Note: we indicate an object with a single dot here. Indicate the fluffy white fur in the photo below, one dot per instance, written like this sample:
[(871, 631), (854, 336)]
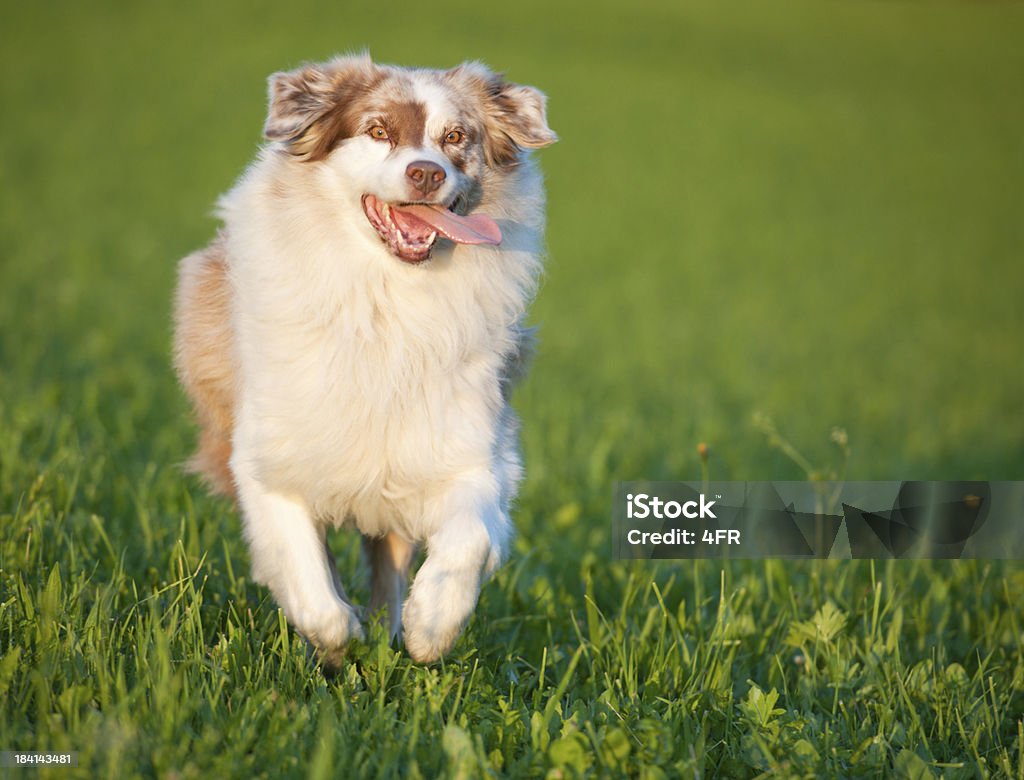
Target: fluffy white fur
[(369, 391)]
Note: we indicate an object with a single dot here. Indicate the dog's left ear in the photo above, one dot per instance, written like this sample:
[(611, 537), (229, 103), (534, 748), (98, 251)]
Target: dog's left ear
[(515, 115), (301, 101), (521, 114)]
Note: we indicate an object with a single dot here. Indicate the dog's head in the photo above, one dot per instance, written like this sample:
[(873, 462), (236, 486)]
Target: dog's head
[(419, 147)]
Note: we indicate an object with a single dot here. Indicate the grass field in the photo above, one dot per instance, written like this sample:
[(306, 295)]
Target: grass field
[(811, 211)]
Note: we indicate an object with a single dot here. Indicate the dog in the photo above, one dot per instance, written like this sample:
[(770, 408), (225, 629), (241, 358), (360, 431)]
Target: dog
[(350, 338)]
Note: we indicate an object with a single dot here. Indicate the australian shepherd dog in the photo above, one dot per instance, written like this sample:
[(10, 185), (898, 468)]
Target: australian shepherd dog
[(350, 337)]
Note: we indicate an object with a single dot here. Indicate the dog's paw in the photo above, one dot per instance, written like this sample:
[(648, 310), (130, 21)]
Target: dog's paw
[(437, 609), (329, 631), (426, 640)]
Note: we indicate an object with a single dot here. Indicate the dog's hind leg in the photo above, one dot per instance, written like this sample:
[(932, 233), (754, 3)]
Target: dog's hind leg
[(389, 556), (204, 355)]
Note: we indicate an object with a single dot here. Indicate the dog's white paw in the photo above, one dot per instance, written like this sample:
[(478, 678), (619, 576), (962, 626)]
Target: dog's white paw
[(440, 604), (330, 630), (427, 640)]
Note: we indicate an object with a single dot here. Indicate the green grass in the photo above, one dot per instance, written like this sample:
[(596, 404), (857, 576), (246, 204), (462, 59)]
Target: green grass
[(807, 210)]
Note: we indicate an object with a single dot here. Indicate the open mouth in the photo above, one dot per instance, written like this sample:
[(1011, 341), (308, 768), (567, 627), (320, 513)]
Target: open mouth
[(411, 229)]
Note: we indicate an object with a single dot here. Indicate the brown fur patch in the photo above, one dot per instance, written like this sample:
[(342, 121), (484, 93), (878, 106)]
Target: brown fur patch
[(314, 107), (406, 123), (204, 356), (514, 116), (387, 98), (342, 119)]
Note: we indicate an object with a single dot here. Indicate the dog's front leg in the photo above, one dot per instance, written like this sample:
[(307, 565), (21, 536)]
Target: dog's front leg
[(289, 556), (472, 530)]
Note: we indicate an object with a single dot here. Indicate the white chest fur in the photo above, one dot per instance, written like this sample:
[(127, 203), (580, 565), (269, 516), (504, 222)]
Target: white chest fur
[(367, 383)]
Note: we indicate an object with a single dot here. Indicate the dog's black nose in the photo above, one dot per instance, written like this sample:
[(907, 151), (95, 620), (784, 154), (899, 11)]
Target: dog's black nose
[(425, 176)]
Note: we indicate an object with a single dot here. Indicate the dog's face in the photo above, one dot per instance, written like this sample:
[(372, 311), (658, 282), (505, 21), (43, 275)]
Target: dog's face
[(417, 148)]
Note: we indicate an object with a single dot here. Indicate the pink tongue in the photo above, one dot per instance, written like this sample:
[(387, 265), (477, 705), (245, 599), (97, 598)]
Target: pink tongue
[(474, 229)]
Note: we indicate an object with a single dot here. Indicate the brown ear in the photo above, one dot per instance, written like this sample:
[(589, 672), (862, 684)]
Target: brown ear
[(515, 115), (307, 104)]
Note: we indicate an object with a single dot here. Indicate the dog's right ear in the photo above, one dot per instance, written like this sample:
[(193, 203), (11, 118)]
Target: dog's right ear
[(298, 98), (300, 101)]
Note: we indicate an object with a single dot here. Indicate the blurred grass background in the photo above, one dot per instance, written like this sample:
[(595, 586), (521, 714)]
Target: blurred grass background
[(807, 209), (813, 210)]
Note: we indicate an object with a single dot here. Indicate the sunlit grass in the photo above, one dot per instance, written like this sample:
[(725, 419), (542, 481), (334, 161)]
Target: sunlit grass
[(809, 210)]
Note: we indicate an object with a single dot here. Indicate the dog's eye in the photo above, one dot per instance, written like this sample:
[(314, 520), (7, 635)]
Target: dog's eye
[(454, 137), (378, 133)]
